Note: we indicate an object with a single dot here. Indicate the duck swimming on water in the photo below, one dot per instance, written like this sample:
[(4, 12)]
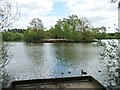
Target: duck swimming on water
[(62, 73), (69, 72), (99, 70), (82, 72)]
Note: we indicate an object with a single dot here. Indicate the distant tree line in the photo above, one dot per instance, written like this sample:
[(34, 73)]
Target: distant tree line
[(73, 29)]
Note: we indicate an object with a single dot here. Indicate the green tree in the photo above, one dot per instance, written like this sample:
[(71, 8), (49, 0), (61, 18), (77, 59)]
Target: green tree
[(18, 36), (35, 31), (33, 35), (71, 27), (8, 36), (67, 32), (36, 24), (117, 35), (57, 30), (28, 35)]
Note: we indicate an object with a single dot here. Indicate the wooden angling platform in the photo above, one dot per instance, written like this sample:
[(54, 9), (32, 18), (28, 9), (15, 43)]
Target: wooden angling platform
[(83, 82)]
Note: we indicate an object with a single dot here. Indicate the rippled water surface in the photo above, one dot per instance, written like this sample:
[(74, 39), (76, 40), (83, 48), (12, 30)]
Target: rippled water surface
[(46, 60)]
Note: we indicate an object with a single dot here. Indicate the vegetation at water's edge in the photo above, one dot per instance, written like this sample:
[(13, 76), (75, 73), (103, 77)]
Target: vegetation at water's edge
[(73, 29)]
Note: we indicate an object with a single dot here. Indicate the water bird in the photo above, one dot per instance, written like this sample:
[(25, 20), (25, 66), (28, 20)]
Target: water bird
[(82, 72), (99, 71), (69, 72), (62, 73)]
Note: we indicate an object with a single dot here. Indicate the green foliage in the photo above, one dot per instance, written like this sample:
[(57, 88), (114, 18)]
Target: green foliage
[(88, 36), (0, 38), (28, 36), (10, 36), (57, 31), (18, 37), (36, 24), (72, 28), (33, 35), (117, 35)]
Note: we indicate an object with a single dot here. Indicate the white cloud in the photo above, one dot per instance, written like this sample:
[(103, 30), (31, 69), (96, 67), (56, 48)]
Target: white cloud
[(31, 9), (49, 21), (99, 13), (41, 7)]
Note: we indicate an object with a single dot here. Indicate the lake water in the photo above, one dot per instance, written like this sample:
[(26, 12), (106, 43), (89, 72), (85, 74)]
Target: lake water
[(46, 60)]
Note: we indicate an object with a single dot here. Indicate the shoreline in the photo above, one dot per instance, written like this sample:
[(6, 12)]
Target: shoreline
[(61, 41), (55, 41)]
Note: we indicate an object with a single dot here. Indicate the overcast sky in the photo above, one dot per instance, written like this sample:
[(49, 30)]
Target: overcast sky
[(99, 12)]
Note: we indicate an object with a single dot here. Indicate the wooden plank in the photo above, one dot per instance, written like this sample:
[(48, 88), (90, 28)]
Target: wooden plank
[(64, 82)]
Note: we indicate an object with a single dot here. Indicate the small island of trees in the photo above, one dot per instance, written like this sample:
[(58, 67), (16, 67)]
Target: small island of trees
[(71, 29)]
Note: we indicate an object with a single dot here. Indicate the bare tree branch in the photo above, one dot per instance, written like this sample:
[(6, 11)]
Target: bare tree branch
[(8, 14), (114, 1)]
